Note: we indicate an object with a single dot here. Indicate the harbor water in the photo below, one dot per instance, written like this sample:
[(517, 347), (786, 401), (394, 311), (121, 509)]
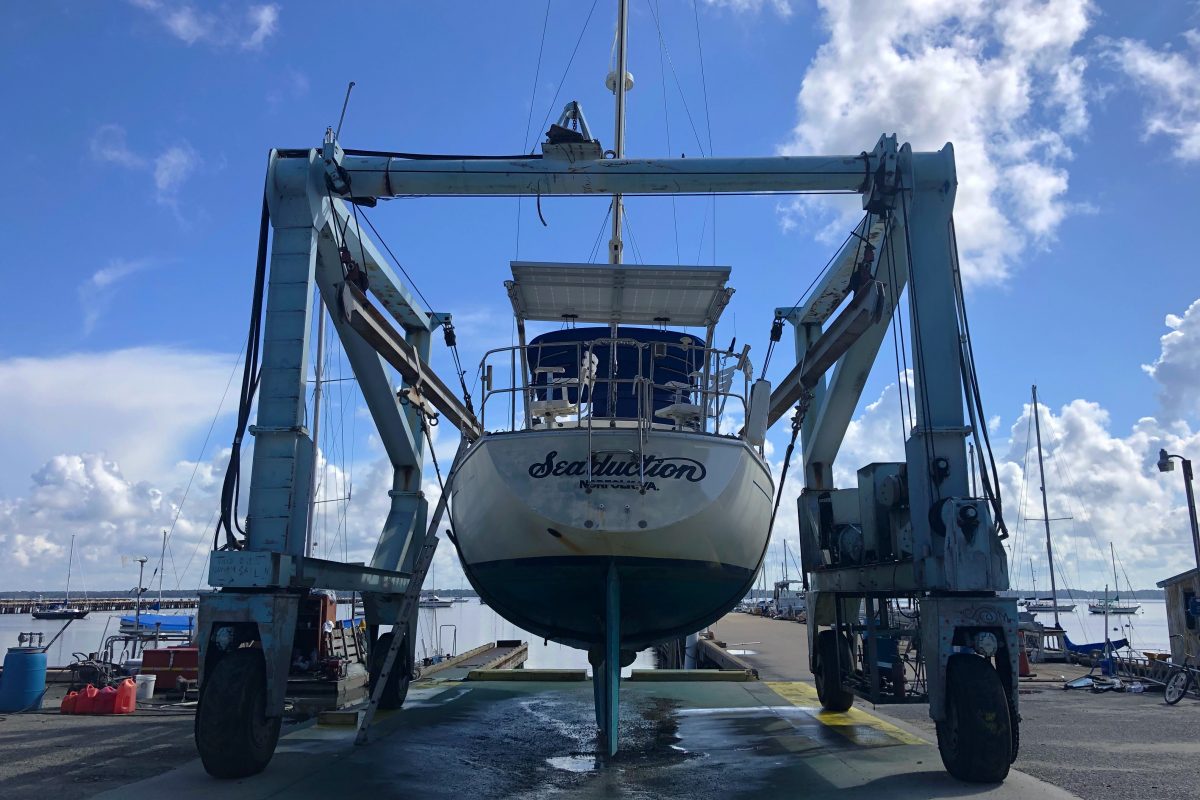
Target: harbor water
[(453, 630)]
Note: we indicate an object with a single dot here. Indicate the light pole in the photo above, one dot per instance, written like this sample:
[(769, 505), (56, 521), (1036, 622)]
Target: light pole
[(1166, 465), (137, 608)]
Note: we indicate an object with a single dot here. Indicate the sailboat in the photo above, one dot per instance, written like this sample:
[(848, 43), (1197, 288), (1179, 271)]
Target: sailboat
[(1037, 604), (1113, 605), (619, 509), (63, 610), (151, 624), (1045, 604)]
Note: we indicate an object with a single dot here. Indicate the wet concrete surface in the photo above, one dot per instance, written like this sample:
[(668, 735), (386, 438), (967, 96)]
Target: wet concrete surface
[(1097, 746), (537, 740)]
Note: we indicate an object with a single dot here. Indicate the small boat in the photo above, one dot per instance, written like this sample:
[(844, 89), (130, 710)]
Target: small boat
[(1113, 605), (63, 610), (1095, 647), (59, 611), (1036, 604), (433, 601)]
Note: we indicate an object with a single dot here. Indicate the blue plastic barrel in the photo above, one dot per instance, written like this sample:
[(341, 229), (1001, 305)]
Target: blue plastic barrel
[(23, 683)]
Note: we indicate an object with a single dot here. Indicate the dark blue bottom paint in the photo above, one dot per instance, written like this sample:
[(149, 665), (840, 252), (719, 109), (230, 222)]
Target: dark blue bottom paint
[(564, 598)]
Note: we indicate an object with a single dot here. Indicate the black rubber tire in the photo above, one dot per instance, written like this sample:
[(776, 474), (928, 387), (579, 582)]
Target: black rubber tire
[(832, 694), (1015, 724), (1176, 687), (234, 736), (397, 685), (975, 740)]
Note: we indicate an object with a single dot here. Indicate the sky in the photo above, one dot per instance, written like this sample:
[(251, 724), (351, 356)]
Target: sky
[(140, 130)]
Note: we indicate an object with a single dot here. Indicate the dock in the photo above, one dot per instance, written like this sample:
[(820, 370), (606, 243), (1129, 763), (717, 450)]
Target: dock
[(26, 605), (502, 654)]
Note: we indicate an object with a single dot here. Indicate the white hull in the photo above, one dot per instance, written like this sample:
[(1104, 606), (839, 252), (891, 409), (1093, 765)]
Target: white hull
[(536, 543)]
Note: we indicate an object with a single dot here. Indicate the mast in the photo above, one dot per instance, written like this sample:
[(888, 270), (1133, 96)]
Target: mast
[(1116, 585), (1037, 425), (162, 562), (615, 246), (316, 426), (70, 561)]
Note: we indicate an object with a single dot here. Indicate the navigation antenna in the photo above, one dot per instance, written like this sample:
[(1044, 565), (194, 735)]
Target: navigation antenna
[(619, 88), (345, 103)]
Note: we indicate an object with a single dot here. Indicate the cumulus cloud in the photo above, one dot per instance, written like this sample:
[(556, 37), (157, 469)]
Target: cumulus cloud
[(139, 406), (222, 26), (1002, 81), (1177, 368), (1170, 84), (96, 293), (1106, 481)]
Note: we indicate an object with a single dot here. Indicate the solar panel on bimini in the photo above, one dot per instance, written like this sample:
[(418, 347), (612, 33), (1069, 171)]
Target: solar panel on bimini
[(626, 293)]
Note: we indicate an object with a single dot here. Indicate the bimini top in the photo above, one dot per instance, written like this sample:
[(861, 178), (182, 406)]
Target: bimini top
[(610, 293)]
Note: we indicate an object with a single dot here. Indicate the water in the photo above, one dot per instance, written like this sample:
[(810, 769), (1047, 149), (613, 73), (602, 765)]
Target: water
[(474, 625), (437, 630), (1146, 630)]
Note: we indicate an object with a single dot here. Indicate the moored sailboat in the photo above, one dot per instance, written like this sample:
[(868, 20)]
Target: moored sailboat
[(63, 610)]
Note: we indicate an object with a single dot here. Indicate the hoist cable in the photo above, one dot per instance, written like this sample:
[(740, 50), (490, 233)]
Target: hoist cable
[(230, 487)]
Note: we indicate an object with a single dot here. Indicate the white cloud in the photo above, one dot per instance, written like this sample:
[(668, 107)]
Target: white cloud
[(141, 407), (265, 19), (999, 80), (108, 144), (172, 167), (96, 293), (1177, 368), (1170, 81), (219, 26), (1107, 482), (781, 7)]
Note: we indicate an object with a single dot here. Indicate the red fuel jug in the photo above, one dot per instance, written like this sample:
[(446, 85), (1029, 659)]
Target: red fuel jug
[(126, 697), (68, 703), (85, 703), (106, 701)]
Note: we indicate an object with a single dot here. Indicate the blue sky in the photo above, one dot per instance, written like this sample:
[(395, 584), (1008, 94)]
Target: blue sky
[(140, 132)]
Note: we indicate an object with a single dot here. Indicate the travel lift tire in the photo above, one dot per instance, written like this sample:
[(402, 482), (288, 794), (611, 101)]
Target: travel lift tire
[(397, 685), (976, 738), (832, 694), (234, 736)]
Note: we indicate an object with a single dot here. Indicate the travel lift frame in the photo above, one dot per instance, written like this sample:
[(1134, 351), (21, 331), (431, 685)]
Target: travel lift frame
[(246, 628)]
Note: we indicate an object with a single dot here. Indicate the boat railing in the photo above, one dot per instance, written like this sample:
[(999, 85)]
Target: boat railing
[(581, 397)]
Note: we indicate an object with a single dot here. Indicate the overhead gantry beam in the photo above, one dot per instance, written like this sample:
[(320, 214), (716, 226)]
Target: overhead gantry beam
[(375, 329), (381, 176)]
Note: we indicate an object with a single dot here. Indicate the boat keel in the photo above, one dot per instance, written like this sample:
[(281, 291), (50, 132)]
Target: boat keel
[(606, 665)]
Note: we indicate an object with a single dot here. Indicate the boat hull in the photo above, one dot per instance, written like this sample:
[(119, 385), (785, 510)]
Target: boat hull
[(60, 614), (538, 546)]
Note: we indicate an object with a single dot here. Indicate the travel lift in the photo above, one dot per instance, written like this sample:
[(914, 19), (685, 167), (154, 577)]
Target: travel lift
[(945, 553)]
